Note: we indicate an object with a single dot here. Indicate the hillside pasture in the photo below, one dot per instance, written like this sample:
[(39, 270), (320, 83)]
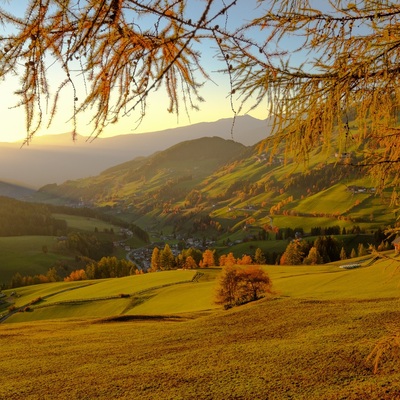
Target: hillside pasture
[(310, 341), (187, 298), (293, 221), (26, 294), (88, 224), (125, 285), (174, 292), (330, 282), (337, 199), (73, 310), (96, 298), (276, 350), (24, 254), (374, 209)]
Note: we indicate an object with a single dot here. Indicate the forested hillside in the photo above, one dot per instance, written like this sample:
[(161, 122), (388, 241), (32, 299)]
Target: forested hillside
[(22, 218)]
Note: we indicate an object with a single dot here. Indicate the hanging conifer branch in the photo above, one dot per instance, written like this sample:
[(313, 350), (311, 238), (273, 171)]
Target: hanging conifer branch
[(309, 64)]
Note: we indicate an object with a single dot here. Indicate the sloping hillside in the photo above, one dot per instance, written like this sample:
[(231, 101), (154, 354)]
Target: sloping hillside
[(217, 187), (15, 191), (163, 177)]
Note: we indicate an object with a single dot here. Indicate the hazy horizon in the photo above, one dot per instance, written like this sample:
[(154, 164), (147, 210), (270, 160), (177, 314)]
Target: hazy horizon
[(56, 158)]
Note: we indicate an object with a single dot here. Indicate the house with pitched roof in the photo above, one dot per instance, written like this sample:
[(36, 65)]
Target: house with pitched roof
[(396, 244)]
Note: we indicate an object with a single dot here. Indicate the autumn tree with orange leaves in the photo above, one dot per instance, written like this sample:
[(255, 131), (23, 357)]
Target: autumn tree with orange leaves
[(239, 285), (337, 59)]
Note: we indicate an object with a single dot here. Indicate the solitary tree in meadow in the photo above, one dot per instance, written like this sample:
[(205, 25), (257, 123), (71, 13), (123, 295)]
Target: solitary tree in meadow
[(228, 287), (238, 285), (256, 283)]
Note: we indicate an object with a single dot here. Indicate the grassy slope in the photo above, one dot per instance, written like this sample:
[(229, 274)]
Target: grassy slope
[(172, 292), (24, 254), (311, 342), (77, 222), (93, 298), (270, 350)]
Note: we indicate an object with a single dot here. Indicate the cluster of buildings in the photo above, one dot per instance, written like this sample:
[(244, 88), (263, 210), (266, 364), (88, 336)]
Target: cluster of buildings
[(360, 189)]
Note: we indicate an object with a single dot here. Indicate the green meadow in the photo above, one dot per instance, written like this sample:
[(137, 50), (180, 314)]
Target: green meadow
[(166, 339), (24, 254), (89, 224)]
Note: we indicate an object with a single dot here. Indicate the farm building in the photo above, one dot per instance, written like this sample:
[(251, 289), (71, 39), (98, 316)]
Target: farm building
[(396, 244)]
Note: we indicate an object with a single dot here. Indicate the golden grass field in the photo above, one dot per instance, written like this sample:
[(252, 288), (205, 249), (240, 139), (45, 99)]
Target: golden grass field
[(310, 341)]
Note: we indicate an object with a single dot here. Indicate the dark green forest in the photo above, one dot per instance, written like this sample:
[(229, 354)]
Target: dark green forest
[(19, 218)]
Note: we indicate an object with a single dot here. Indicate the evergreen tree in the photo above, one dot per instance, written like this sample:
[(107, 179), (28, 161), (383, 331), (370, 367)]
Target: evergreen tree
[(294, 253), (245, 260), (328, 247), (343, 255), (190, 263), (313, 257), (155, 260), (361, 251), (167, 259), (259, 257)]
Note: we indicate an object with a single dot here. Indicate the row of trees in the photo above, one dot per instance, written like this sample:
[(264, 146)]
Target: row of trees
[(106, 267), (164, 259), (323, 250), (19, 280)]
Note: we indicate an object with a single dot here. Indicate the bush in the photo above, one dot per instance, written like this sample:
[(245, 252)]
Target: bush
[(11, 309), (35, 301)]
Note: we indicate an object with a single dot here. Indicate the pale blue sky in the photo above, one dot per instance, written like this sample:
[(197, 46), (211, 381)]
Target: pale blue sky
[(216, 105)]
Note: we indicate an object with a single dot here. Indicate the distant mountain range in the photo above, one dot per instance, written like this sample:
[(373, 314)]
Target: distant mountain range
[(57, 158)]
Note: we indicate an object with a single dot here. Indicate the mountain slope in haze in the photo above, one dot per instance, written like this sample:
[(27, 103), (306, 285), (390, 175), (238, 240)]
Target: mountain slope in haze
[(57, 158), (15, 191), (149, 182)]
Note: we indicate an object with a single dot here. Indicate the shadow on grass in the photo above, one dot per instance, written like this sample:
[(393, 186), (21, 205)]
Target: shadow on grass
[(127, 318)]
